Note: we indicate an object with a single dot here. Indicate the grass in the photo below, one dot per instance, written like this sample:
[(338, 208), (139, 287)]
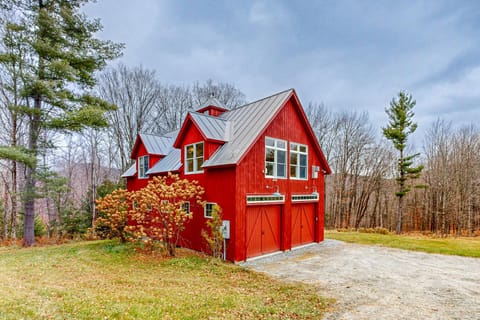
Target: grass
[(108, 280), (467, 247)]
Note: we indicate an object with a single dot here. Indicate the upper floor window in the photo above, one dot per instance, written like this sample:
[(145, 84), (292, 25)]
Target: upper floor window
[(298, 161), (275, 158), (143, 167), (194, 157)]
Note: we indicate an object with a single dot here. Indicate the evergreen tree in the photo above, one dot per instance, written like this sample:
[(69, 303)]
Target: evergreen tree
[(61, 57), (400, 126)]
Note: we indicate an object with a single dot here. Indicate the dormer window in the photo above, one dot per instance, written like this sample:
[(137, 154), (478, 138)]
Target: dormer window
[(143, 167), (194, 158)]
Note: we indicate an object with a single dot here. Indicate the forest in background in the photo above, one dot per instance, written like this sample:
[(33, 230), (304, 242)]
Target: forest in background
[(360, 193)]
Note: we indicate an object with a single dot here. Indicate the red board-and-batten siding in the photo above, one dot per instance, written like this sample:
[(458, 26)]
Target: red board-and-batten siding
[(251, 177), (228, 185), (139, 183), (219, 188)]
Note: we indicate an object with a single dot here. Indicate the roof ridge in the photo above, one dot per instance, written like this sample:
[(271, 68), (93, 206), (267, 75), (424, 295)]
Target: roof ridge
[(156, 135), (256, 101), (208, 116)]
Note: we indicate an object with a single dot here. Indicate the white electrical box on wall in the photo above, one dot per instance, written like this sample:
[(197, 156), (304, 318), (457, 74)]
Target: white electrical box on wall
[(226, 229), (315, 170)]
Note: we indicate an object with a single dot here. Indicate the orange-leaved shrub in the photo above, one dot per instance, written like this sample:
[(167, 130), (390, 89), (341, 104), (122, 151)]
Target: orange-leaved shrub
[(113, 215), (156, 214)]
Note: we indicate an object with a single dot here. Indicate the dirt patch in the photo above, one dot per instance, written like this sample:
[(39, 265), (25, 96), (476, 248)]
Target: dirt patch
[(371, 282)]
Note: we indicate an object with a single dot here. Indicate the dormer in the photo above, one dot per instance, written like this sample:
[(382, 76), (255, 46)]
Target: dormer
[(199, 138), (212, 107), (147, 151)]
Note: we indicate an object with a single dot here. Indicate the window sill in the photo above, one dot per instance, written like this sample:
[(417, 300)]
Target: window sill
[(193, 172), (272, 177)]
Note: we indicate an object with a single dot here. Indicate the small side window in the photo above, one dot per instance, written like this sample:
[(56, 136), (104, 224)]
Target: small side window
[(186, 207), (209, 209), (143, 167)]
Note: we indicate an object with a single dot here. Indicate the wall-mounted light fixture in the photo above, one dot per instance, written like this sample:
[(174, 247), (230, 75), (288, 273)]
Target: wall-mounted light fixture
[(277, 191)]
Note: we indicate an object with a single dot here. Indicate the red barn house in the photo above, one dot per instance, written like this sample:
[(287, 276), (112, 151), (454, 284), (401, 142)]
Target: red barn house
[(261, 163)]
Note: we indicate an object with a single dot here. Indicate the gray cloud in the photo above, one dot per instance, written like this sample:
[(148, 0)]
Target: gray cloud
[(347, 54)]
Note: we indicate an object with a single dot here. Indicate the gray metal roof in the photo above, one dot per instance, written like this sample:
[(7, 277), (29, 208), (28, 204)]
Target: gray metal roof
[(248, 122), (170, 163), (239, 128), (172, 134), (157, 144), (130, 171), (213, 128)]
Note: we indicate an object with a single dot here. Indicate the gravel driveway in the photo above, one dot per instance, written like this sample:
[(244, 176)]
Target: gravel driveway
[(371, 282)]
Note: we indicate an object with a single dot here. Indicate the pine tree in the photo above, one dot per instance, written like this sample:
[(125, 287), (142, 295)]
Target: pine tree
[(60, 59), (400, 126)]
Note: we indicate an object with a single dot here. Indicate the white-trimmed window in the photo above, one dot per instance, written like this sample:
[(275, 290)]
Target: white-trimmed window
[(143, 167), (194, 157), (268, 198), (275, 158), (298, 161), (305, 197), (209, 209), (186, 207)]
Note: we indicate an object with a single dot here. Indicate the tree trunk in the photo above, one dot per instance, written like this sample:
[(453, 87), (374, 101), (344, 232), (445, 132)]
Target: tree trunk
[(28, 230), (14, 198), (33, 135), (29, 196), (5, 213), (399, 215)]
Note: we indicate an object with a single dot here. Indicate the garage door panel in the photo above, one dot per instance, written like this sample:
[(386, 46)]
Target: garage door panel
[(263, 230), (254, 227), (271, 230), (303, 224)]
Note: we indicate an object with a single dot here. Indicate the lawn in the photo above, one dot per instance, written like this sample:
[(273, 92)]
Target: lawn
[(108, 280), (467, 247)]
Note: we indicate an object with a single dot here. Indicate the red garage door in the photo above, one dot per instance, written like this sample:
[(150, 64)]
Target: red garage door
[(303, 223), (263, 230)]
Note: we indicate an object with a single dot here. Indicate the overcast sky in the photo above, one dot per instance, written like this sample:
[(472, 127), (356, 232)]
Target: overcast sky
[(346, 54)]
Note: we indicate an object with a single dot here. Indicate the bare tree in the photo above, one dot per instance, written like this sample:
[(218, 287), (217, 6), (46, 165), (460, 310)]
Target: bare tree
[(226, 93), (173, 104), (12, 82), (322, 122), (465, 162), (437, 151), (135, 91)]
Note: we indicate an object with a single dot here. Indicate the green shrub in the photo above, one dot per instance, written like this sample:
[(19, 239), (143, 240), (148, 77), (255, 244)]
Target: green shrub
[(39, 227)]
